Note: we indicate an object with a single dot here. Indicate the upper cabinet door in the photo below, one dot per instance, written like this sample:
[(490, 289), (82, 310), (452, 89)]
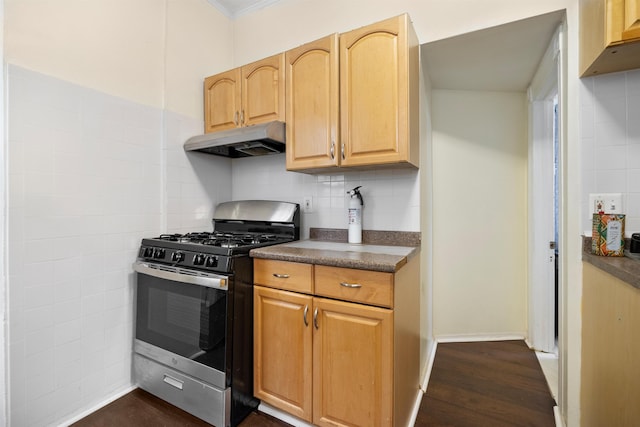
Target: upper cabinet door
[(631, 20), (263, 90), (312, 105), (222, 101), (379, 94)]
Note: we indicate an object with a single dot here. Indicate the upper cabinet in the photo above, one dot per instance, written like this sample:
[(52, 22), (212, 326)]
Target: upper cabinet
[(379, 92), (313, 105), (364, 115), (245, 96), (609, 36)]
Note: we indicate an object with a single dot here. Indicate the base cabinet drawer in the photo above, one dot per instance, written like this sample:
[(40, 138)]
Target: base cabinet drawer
[(362, 286), (292, 276)]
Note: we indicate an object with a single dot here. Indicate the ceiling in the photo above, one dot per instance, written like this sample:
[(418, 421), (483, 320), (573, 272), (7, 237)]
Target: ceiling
[(234, 8), (502, 58)]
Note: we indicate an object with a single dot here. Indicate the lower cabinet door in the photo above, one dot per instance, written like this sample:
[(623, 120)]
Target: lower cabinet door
[(352, 364), (283, 350)]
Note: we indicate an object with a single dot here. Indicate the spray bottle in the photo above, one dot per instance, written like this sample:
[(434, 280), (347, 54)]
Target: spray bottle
[(355, 215)]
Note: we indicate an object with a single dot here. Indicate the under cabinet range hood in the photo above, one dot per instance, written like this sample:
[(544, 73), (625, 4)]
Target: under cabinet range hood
[(255, 140)]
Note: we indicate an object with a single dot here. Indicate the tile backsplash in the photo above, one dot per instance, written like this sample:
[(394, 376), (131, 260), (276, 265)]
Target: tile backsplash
[(391, 197), (610, 139)]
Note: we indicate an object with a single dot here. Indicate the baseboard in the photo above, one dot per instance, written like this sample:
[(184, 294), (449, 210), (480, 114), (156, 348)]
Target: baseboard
[(558, 417), (427, 373), (423, 386), (481, 337), (282, 416), (94, 408)]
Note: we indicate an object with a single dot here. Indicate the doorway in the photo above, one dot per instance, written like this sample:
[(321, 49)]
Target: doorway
[(544, 179)]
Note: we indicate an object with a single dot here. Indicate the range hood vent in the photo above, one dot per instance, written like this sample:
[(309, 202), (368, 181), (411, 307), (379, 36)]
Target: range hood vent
[(256, 140)]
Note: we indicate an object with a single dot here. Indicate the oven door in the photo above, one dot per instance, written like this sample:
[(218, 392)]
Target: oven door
[(181, 320)]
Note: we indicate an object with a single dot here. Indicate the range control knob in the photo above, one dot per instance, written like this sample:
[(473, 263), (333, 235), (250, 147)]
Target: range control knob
[(198, 259), (212, 261), (158, 253), (147, 252), (177, 256)]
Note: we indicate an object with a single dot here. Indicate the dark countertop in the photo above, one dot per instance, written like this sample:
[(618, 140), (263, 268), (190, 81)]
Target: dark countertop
[(624, 268), (339, 254)]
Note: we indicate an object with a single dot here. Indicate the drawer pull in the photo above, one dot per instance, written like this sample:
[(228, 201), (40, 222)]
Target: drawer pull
[(304, 315), (281, 276), (173, 381), (350, 285)]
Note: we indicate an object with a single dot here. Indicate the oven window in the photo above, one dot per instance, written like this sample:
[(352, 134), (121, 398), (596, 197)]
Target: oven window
[(182, 318)]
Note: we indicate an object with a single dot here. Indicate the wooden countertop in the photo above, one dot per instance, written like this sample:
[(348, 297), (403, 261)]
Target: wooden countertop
[(337, 254)]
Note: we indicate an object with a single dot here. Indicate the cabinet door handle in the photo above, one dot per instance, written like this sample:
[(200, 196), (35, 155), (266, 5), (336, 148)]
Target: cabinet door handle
[(315, 317), (350, 285), (342, 150), (304, 315), (333, 150), (242, 117), (281, 276), (235, 118)]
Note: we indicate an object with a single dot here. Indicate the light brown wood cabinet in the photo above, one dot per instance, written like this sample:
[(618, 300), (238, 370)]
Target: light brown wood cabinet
[(245, 96), (609, 36), (376, 89), (283, 350), (610, 350), (312, 105), (345, 351), (352, 364)]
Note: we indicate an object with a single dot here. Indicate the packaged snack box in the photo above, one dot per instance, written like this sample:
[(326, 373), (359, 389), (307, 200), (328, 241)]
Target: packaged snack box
[(607, 238)]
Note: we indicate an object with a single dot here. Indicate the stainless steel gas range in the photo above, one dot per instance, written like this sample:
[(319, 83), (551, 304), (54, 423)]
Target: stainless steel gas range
[(194, 320)]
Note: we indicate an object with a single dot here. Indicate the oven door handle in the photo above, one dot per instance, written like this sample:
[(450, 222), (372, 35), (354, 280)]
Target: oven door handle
[(162, 272)]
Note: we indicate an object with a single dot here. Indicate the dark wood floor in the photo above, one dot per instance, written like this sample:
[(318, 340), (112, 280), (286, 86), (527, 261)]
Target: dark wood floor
[(486, 384), (141, 409), (496, 383)]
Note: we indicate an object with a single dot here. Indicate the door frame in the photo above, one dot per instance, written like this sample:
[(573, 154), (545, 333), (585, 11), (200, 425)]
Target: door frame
[(544, 88)]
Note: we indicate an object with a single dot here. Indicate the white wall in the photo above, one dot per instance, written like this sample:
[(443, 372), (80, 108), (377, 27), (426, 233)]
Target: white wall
[(79, 202), (3, 239), (114, 46), (194, 183), (198, 44), (290, 23), (480, 216), (610, 137), (152, 52)]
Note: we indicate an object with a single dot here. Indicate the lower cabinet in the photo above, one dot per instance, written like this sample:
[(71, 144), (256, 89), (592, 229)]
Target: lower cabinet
[(352, 364), (282, 350), (335, 362)]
